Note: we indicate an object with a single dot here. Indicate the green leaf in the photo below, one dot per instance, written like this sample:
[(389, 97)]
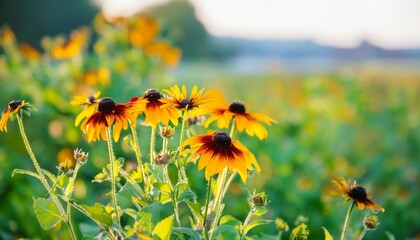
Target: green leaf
[(99, 213), (151, 214), (25, 172), (229, 220), (163, 187), (259, 211), (327, 234), (255, 223), (195, 209), (193, 234), (227, 232), (163, 228), (187, 194), (46, 212)]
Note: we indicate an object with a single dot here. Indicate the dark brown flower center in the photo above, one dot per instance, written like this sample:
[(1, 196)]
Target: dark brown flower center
[(222, 139), (358, 194), (153, 95), (236, 107), (15, 104), (91, 99), (106, 105), (184, 103)]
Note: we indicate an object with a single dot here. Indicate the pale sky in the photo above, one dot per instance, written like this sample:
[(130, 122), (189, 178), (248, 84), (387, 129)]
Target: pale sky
[(344, 23)]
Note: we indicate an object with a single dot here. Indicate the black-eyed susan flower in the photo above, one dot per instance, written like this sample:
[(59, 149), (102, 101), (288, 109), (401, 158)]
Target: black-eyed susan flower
[(217, 151), (90, 103), (14, 107), (223, 114), (72, 47), (110, 113), (180, 100), (155, 111), (352, 191)]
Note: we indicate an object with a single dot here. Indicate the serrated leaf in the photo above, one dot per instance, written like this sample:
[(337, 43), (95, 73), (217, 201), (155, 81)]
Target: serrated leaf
[(24, 172), (99, 213), (187, 194), (46, 212), (163, 228), (253, 224), (193, 234), (327, 234)]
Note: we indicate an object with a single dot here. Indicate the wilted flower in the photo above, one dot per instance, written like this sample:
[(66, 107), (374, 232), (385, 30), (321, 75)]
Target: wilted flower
[(259, 199), (66, 165), (80, 156), (162, 158), (281, 225), (300, 232), (166, 131)]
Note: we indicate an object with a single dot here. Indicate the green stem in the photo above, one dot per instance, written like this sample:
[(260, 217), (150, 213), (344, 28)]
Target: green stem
[(152, 144), (69, 192), (248, 217), (173, 194), (232, 129), (42, 176), (219, 199), (136, 148), (207, 209), (113, 177), (87, 214), (181, 138), (346, 221), (362, 234)]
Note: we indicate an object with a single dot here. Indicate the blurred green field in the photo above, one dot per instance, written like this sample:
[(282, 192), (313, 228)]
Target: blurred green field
[(361, 124)]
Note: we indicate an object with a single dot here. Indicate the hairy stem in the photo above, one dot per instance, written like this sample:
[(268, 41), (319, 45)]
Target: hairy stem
[(173, 194), (152, 144), (207, 209), (362, 234), (42, 176), (113, 177)]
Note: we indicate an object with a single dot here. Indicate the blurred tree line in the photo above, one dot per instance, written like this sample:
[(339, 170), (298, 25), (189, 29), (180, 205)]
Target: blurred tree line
[(33, 19)]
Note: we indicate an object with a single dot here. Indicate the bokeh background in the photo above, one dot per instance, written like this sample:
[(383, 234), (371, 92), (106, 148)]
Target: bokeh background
[(341, 78)]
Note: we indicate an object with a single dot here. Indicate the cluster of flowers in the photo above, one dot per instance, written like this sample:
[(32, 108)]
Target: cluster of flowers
[(217, 149)]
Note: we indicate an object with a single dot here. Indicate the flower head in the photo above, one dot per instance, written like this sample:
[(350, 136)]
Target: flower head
[(90, 103), (217, 151), (180, 100), (358, 194), (224, 113), (14, 107), (108, 113), (156, 111), (72, 47), (29, 52), (370, 222)]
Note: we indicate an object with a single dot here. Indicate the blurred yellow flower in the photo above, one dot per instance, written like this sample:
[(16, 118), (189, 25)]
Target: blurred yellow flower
[(217, 151), (7, 36), (72, 47), (170, 55), (29, 52), (144, 31), (93, 77), (358, 194)]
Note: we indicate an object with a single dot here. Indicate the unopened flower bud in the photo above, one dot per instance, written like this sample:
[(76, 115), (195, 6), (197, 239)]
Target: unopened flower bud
[(80, 156), (166, 131), (371, 222), (282, 225), (66, 165), (259, 199), (162, 158)]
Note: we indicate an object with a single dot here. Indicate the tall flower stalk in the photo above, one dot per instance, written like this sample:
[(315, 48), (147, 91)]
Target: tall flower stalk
[(112, 172)]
